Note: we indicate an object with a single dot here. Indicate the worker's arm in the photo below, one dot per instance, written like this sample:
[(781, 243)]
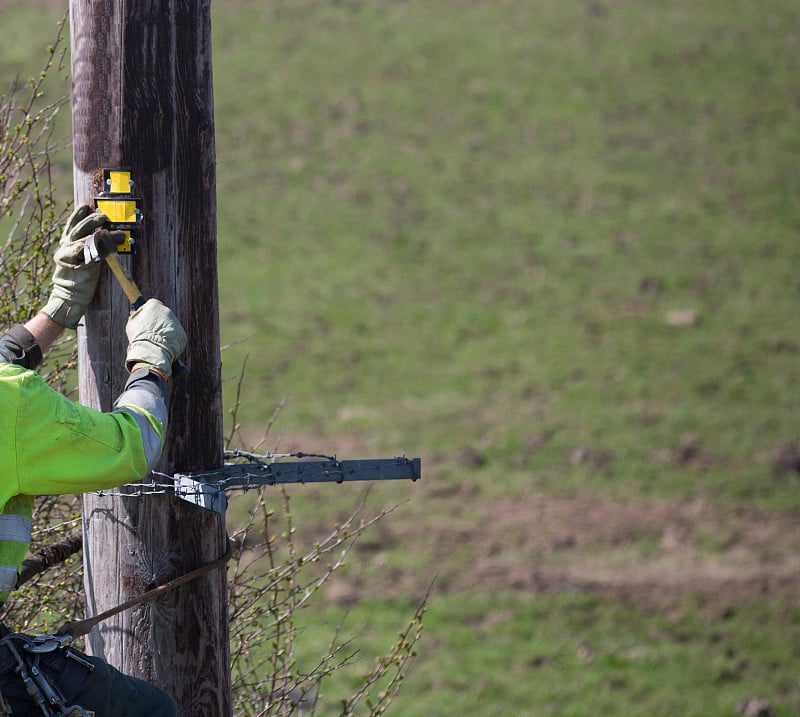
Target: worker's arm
[(24, 344), (61, 446), (74, 284), (64, 447), (156, 339), (44, 330), (92, 450)]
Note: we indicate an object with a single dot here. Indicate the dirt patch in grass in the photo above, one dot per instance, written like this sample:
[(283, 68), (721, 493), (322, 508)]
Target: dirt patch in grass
[(654, 552), (650, 551)]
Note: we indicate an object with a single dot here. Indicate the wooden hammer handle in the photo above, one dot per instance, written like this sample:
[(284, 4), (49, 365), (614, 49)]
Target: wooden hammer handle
[(136, 299), (125, 281)]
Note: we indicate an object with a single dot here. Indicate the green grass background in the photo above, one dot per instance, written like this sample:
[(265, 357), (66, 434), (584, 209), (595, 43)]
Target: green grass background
[(459, 230)]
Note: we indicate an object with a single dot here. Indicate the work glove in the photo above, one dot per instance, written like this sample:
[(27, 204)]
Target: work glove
[(155, 337), (74, 281)]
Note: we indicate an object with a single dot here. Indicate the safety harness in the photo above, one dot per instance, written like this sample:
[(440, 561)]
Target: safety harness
[(27, 652)]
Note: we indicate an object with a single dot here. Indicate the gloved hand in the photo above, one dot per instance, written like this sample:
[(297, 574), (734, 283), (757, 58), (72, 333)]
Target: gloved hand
[(155, 337), (74, 282)]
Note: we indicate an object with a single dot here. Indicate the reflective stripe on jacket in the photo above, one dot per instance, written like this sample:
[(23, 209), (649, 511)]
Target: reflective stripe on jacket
[(15, 537)]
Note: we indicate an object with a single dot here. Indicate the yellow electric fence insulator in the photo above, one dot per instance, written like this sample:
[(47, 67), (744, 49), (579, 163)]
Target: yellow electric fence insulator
[(118, 181), (120, 206), (118, 211)]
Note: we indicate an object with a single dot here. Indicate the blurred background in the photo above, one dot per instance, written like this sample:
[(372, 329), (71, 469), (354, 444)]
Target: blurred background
[(551, 248)]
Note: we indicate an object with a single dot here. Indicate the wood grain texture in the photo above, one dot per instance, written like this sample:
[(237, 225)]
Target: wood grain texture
[(142, 98)]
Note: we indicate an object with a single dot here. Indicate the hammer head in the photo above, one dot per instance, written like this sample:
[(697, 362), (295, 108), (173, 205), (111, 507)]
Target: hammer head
[(101, 244)]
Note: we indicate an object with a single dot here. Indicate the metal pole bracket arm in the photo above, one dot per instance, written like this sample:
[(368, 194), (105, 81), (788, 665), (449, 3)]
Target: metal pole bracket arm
[(207, 488)]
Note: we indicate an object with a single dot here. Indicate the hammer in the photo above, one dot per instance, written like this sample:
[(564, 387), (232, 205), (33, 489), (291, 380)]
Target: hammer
[(102, 245)]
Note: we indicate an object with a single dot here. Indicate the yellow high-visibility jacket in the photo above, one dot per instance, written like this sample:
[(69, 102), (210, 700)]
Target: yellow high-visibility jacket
[(50, 445)]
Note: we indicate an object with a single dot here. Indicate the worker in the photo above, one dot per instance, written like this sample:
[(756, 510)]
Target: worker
[(50, 445)]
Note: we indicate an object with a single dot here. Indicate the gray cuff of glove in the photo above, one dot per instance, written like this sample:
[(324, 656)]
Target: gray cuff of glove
[(146, 391), (146, 351), (63, 311)]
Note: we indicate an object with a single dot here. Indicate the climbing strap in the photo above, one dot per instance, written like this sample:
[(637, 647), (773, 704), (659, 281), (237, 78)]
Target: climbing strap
[(79, 628)]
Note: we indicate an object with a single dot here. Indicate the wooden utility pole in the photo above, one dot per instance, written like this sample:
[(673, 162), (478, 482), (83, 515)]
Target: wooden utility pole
[(142, 98)]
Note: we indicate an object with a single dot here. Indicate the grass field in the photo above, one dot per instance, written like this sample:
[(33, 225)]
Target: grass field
[(551, 247)]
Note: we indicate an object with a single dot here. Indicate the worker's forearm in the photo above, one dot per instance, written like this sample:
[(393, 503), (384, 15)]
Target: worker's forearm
[(44, 330)]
